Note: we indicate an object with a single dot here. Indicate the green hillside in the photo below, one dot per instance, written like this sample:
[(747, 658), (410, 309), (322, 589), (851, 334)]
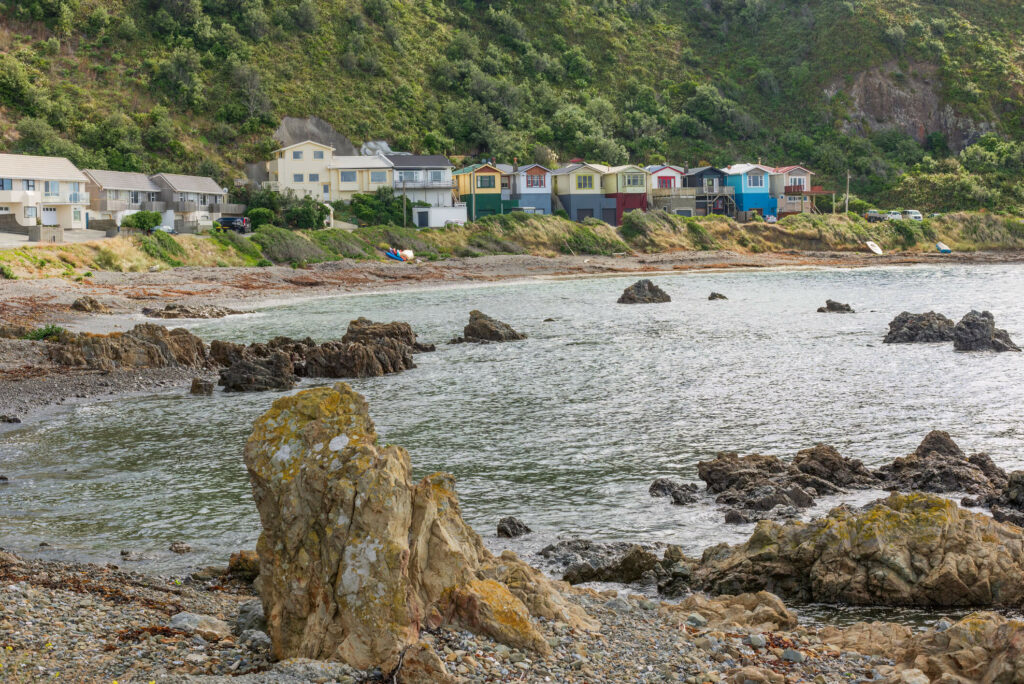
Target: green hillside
[(199, 85)]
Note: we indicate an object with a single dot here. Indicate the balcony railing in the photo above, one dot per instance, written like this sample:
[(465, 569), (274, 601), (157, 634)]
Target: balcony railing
[(227, 208), (674, 192), (114, 205), (65, 198), (422, 183), (36, 196), (272, 185), (720, 190), (154, 206), (185, 207)]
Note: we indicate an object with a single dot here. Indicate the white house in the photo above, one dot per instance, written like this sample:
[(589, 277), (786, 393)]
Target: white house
[(41, 191)]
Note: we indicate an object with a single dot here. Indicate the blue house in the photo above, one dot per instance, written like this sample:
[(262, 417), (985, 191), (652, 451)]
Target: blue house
[(751, 184)]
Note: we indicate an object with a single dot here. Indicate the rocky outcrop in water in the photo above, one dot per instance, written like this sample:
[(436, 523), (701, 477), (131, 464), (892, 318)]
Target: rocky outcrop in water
[(201, 387), (909, 328), (482, 329), (716, 296), (832, 306), (758, 486), (190, 311), (978, 332), (939, 465), (906, 550), (272, 373), (367, 332), (644, 292), (510, 528), (145, 346), (355, 557), (681, 493)]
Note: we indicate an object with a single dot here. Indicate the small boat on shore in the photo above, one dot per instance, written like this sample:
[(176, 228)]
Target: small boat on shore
[(943, 248), (874, 247), (393, 254)]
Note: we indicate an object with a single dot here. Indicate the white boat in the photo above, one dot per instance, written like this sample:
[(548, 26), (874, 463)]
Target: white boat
[(943, 247), (407, 254), (873, 247)]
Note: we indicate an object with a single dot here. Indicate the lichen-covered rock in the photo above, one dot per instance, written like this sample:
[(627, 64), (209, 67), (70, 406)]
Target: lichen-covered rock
[(869, 638), (483, 329), (644, 292), (938, 465), (354, 557), (977, 331), (145, 346), (832, 306), (906, 550), (910, 328), (260, 375)]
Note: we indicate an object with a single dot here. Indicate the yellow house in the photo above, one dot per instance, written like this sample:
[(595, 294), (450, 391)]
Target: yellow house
[(628, 179), (579, 188), (310, 169), (41, 191), (359, 174), (479, 186)]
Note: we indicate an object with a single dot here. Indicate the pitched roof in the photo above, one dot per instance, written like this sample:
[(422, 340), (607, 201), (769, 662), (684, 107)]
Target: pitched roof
[(655, 168), (305, 142), (625, 167), (374, 161), (121, 180), (702, 169), (476, 167), (201, 184), (579, 165), (508, 168), (787, 169), (737, 169), (42, 168), (419, 161)]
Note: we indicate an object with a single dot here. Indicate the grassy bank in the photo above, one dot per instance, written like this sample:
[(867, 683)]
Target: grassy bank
[(513, 234)]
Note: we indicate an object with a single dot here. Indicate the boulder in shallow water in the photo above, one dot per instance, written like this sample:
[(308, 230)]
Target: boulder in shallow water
[(644, 292), (716, 296), (938, 465), (832, 306), (908, 328), (978, 332), (365, 331), (355, 557), (274, 373), (201, 387), (906, 550), (190, 311), (244, 565), (482, 328), (511, 527), (681, 493)]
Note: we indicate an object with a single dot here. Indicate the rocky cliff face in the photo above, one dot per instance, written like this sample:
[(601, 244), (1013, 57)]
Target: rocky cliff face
[(909, 100), (355, 558)]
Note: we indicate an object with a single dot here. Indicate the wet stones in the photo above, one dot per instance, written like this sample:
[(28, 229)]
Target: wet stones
[(482, 329), (631, 567), (511, 528), (644, 292), (832, 306), (909, 328), (824, 462), (681, 493), (977, 332), (201, 387), (180, 547)]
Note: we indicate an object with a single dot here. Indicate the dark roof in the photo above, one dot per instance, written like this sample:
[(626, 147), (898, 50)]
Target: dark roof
[(702, 169), (419, 161)]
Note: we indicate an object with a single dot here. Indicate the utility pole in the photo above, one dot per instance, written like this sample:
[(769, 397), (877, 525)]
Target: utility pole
[(405, 198), (472, 192), (847, 192)]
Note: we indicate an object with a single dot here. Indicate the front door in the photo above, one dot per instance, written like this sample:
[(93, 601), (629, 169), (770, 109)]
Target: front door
[(423, 219), (608, 215), (49, 216)]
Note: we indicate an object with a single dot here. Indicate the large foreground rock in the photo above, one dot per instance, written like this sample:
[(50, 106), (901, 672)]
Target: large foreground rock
[(355, 558), (482, 329), (978, 332), (145, 346), (925, 327), (906, 550), (644, 292)]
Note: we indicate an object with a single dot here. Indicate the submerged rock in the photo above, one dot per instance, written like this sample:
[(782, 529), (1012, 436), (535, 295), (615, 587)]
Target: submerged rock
[(938, 465), (978, 332), (512, 527), (906, 550), (355, 557), (832, 306), (644, 292), (910, 328), (716, 295), (682, 493), (482, 329), (274, 373)]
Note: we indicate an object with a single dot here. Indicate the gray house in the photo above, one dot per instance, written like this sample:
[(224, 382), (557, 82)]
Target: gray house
[(193, 202)]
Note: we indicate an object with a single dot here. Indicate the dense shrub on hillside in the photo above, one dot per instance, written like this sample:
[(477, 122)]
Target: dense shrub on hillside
[(144, 221), (249, 250), (307, 214), (584, 240), (260, 216), (343, 244)]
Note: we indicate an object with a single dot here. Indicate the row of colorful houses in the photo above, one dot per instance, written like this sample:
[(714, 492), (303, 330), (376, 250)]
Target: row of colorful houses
[(39, 195), (582, 189)]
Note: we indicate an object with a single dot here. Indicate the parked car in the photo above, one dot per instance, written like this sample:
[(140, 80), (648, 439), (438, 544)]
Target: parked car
[(893, 216), (239, 224), (167, 229), (912, 215), (771, 218), (874, 216)]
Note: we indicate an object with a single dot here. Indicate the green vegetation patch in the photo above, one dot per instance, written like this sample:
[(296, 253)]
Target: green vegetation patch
[(245, 247), (283, 246), (343, 243), (50, 333), (583, 240), (162, 246)]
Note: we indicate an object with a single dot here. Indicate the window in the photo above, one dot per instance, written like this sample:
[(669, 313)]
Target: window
[(666, 182), (635, 180), (755, 181), (30, 212), (51, 188), (318, 154), (710, 185), (76, 215), (408, 176), (437, 176), (153, 196), (297, 154), (29, 185), (6, 184), (585, 182), (378, 177), (314, 178), (797, 181), (504, 182), (297, 178), (5, 210), (135, 197), (485, 181), (534, 181), (348, 176)]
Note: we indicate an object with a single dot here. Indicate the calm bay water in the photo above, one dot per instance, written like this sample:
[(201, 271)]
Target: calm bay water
[(565, 430)]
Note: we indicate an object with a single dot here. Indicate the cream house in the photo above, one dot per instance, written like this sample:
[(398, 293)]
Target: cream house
[(311, 169), (41, 191)]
